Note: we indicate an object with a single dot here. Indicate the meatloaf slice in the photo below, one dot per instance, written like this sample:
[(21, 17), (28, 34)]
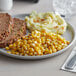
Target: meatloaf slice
[(19, 30), (19, 27), (5, 22)]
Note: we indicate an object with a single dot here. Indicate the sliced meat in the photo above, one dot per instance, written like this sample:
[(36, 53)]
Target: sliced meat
[(19, 30), (19, 27), (5, 28)]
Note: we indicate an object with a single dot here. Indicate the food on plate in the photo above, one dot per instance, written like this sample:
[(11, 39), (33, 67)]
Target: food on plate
[(5, 23), (49, 21), (11, 29), (37, 43), (44, 37), (19, 28)]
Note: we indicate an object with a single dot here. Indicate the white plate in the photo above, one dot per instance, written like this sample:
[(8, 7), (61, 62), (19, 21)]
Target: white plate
[(68, 35)]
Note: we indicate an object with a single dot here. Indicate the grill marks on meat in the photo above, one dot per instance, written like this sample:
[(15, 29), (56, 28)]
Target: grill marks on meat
[(13, 29)]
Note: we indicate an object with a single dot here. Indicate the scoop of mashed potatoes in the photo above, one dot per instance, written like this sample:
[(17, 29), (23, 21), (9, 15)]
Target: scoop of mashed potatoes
[(49, 22)]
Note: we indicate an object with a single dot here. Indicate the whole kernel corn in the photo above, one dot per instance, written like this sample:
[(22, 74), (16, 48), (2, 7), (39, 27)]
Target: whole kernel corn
[(17, 53), (27, 52), (10, 46), (37, 43), (31, 54), (50, 51), (31, 50), (7, 48), (9, 52)]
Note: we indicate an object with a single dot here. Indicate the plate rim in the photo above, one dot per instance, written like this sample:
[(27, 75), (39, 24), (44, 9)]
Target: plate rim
[(44, 56)]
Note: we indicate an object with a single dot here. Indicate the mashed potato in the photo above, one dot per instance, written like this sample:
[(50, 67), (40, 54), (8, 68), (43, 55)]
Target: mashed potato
[(48, 21)]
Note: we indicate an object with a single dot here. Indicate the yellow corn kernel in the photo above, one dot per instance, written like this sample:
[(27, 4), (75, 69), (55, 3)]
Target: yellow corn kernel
[(41, 48), (18, 47), (67, 42), (23, 37), (59, 42), (14, 45), (27, 52), (25, 42), (64, 46), (18, 40), (19, 50), (47, 42), (25, 47), (35, 53), (59, 48), (18, 43), (32, 45), (54, 43), (45, 45), (53, 49), (9, 52), (38, 34), (17, 53), (31, 50), (31, 54), (50, 51), (49, 47), (56, 46), (10, 46), (21, 44), (46, 51), (39, 40), (38, 43), (43, 38), (29, 41), (14, 49), (39, 52), (36, 48), (7, 48), (22, 50), (22, 54), (12, 52)]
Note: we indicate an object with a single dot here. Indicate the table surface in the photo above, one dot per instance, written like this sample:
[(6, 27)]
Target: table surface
[(45, 67)]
